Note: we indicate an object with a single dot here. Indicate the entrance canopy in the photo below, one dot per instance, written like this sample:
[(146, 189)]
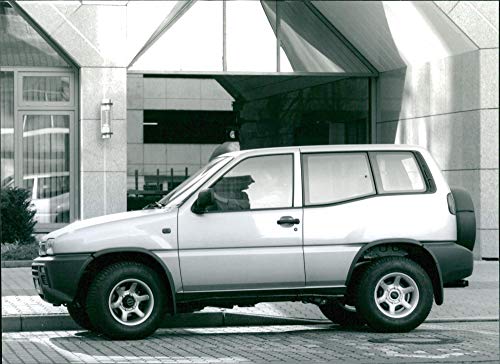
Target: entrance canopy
[(353, 38), (248, 37)]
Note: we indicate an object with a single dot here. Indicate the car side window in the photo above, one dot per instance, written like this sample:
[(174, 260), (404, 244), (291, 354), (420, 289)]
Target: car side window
[(397, 172), (336, 177), (261, 182)]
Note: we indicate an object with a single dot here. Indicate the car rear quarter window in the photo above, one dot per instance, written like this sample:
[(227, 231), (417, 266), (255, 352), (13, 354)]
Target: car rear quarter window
[(397, 172), (336, 177)]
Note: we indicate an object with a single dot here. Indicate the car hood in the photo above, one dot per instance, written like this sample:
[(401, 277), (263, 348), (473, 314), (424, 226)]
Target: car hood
[(106, 219)]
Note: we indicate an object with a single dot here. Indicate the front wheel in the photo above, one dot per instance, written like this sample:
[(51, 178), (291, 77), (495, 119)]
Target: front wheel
[(126, 301), (342, 314), (79, 314), (394, 295)]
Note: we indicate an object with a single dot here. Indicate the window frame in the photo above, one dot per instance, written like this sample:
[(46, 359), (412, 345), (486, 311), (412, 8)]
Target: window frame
[(292, 154), (351, 199), (46, 104), (421, 165)]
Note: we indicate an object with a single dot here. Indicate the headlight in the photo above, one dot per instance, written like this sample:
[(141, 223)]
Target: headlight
[(46, 247)]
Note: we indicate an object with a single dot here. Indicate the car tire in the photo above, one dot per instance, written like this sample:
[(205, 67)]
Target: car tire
[(126, 301), (338, 313), (395, 294), (79, 314)]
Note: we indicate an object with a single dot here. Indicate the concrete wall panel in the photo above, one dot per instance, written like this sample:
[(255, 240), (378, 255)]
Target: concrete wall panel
[(155, 104), (92, 194), (489, 139), (183, 153), (491, 249), (135, 92), (155, 154), (116, 192), (489, 199), (184, 88), (155, 88), (99, 83), (488, 59), (135, 119), (135, 154), (453, 139), (183, 104), (477, 26)]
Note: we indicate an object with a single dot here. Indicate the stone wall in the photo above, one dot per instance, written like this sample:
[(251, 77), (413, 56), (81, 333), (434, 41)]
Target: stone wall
[(450, 106)]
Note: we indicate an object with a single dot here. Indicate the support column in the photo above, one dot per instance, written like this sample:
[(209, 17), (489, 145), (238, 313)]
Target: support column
[(103, 162)]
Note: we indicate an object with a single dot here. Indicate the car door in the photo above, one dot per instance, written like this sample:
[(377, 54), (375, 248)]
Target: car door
[(337, 211), (251, 238)]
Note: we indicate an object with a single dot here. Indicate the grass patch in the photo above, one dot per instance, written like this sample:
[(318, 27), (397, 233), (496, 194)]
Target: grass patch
[(20, 251)]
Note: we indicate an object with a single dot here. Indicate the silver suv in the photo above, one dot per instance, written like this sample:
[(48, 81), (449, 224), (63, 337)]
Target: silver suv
[(369, 233)]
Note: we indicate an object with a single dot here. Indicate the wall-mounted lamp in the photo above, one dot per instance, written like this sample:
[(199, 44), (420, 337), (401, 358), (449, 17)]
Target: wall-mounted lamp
[(106, 118)]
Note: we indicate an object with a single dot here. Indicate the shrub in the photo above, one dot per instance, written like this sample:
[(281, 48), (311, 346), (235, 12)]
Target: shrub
[(19, 251), (16, 216)]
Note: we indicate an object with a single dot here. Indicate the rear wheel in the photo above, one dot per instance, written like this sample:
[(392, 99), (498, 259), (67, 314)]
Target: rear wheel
[(126, 301), (394, 295), (342, 314)]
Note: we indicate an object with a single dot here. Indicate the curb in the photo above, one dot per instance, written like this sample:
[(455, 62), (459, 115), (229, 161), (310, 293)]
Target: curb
[(202, 319), (16, 263), (196, 320)]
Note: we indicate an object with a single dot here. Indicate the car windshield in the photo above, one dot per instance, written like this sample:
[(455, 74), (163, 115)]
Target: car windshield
[(184, 186)]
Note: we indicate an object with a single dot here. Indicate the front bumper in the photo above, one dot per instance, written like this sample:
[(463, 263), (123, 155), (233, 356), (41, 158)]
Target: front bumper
[(56, 277)]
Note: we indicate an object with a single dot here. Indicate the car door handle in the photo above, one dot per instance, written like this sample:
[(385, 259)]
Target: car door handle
[(288, 220)]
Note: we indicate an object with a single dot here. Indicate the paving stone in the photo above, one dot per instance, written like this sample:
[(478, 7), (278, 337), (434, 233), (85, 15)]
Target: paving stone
[(448, 342)]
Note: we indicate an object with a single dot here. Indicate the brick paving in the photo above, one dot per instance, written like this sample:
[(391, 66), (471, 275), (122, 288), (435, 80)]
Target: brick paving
[(430, 343), (480, 299)]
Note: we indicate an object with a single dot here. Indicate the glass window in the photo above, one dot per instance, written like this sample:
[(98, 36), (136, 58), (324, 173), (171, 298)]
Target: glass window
[(46, 165), (398, 172), (304, 110), (46, 88), (187, 127), (7, 128), (256, 183), (335, 177), (21, 45), (243, 46)]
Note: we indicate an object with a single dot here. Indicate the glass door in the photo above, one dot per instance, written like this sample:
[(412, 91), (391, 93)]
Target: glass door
[(47, 163)]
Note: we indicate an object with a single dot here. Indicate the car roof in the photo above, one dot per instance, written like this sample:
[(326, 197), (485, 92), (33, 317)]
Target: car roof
[(329, 148)]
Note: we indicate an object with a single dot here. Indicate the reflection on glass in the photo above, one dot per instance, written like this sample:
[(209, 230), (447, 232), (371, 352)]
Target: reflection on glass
[(7, 128), (21, 45), (46, 165), (399, 172), (46, 88), (315, 113), (256, 183), (334, 177)]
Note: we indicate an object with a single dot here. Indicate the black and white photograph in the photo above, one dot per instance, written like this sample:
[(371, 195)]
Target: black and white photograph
[(249, 181)]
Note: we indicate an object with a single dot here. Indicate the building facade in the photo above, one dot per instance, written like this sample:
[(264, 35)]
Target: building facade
[(185, 76)]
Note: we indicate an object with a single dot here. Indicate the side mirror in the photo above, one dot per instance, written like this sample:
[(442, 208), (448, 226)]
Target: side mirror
[(205, 199)]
